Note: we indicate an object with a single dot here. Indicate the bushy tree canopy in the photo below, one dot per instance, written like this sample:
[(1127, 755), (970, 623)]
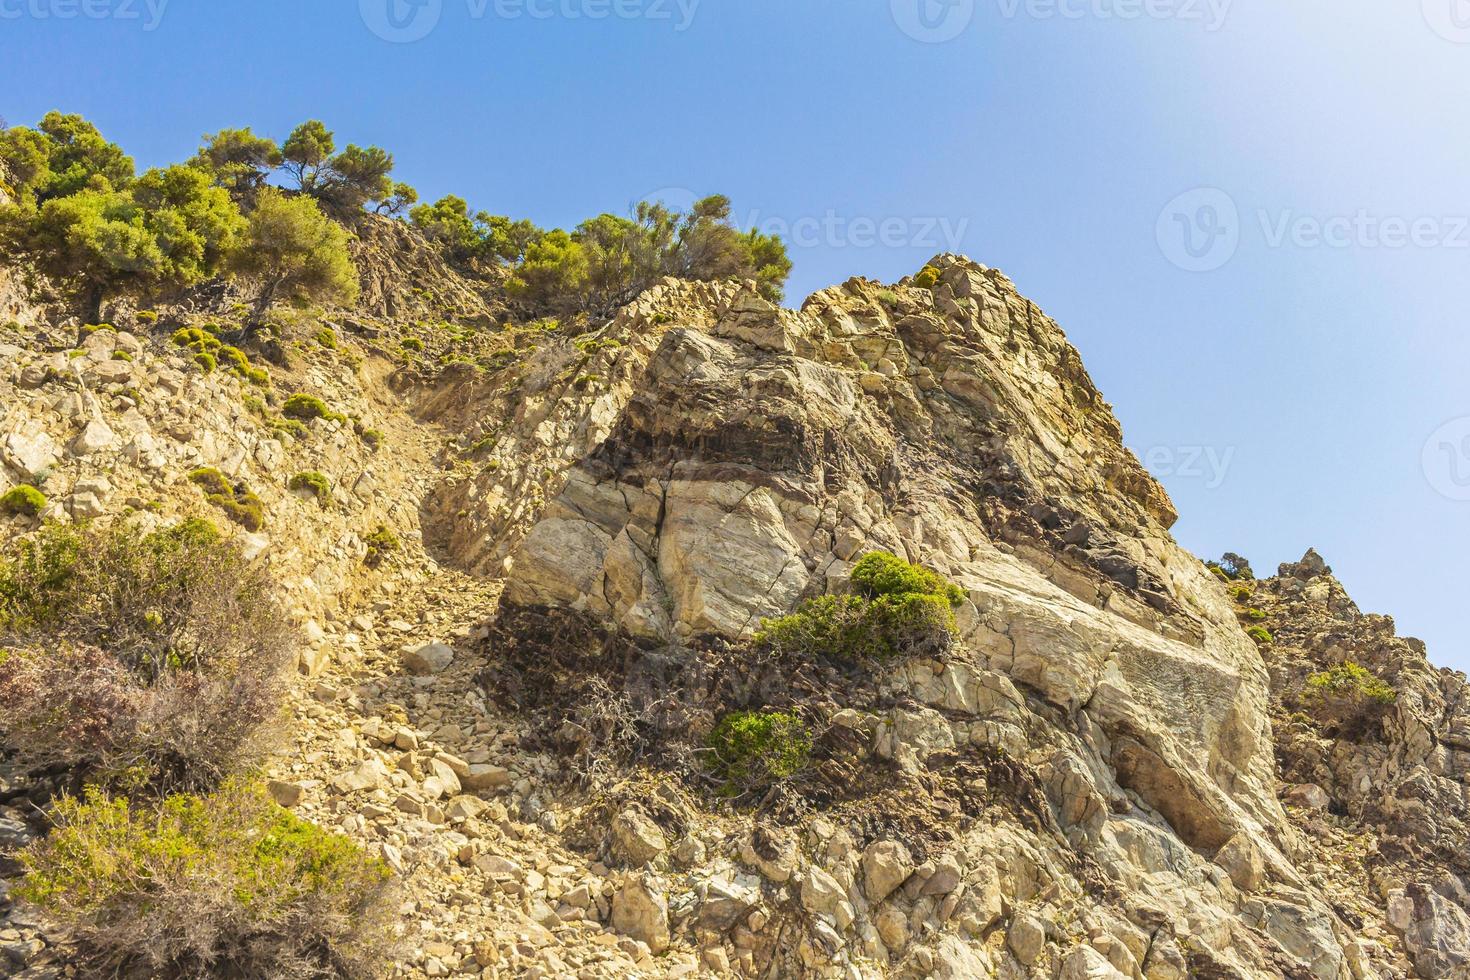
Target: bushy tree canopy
[(239, 159), (80, 216), (171, 227), (609, 259), (295, 252), (62, 156)]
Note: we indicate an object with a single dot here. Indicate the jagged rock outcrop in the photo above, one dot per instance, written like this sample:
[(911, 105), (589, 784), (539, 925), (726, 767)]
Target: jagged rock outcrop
[(1385, 775), (732, 458)]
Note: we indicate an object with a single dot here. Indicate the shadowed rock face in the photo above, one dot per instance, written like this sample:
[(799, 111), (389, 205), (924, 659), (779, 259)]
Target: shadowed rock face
[(738, 458)]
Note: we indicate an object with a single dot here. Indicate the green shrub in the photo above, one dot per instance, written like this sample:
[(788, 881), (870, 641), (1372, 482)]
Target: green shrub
[(316, 483), (24, 499), (234, 360), (1261, 635), (290, 427), (750, 750), (1348, 699), (307, 407), (372, 438), (927, 278), (327, 337), (896, 609), (1255, 615), (236, 500), (196, 340), (121, 355), (206, 362), (139, 659), (1231, 568), (412, 344), (1351, 680), (146, 317), (1240, 593), (91, 328), (380, 544), (221, 885), (880, 573)]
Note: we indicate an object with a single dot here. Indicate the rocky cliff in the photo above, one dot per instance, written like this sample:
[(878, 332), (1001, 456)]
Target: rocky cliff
[(594, 520)]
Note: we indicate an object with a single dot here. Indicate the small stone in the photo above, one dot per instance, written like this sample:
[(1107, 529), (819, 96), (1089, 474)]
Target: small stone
[(485, 776), (1026, 938), (1309, 796), (285, 794), (640, 912), (637, 840), (433, 658), (886, 865), (1243, 862), (95, 436)]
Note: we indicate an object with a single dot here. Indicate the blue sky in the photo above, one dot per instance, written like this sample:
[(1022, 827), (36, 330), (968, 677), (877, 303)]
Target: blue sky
[(1249, 217)]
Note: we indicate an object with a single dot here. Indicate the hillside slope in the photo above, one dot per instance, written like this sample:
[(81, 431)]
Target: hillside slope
[(512, 705)]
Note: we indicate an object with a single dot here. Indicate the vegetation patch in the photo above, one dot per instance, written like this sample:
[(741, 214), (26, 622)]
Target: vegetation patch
[(927, 278), (895, 609), (223, 884), (1348, 699), (1261, 635), (751, 750), (305, 407), (236, 362), (236, 499), (380, 544), (24, 499), (1350, 680), (1231, 568), (314, 482), (138, 660)]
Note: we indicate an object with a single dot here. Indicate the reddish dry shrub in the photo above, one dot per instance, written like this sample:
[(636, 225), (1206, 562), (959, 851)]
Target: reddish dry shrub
[(150, 661)]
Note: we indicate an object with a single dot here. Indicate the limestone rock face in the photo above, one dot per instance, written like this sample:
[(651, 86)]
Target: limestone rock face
[(738, 458)]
